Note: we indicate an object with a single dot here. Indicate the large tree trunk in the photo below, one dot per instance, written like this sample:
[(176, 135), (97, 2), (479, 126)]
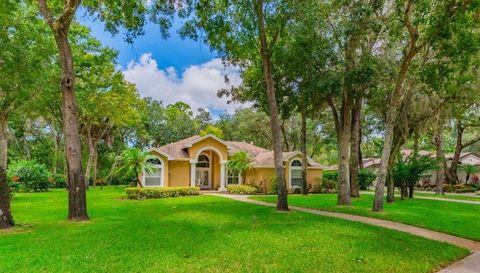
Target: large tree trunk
[(440, 172), (77, 203), (303, 142), (6, 218), (282, 203), (355, 148), (343, 131)]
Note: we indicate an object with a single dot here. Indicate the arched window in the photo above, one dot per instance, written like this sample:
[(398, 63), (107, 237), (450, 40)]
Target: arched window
[(154, 179), (203, 161), (296, 173)]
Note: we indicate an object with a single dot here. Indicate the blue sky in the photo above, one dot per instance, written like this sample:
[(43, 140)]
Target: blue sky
[(170, 70), (172, 52)]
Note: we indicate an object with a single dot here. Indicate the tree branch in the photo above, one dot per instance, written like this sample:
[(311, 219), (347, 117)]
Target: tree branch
[(45, 11)]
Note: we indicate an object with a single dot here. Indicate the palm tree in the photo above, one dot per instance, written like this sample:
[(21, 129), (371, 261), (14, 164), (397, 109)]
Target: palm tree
[(240, 162), (134, 162), (469, 169)]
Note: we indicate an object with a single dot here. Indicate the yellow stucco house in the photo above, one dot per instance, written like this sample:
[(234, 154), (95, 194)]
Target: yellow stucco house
[(201, 162)]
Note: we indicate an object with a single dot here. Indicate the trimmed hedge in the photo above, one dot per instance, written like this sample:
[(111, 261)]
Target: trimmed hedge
[(241, 189), (153, 193)]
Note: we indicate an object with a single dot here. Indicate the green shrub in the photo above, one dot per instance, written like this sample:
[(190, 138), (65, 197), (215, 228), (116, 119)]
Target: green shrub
[(58, 180), (330, 175), (153, 193), (241, 189), (324, 185), (365, 179), (29, 175), (273, 181)]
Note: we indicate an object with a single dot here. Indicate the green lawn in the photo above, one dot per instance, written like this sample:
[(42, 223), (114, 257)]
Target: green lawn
[(475, 197), (454, 218), (451, 196), (202, 234)]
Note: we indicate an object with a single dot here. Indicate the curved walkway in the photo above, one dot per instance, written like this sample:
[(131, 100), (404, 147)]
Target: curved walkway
[(469, 264)]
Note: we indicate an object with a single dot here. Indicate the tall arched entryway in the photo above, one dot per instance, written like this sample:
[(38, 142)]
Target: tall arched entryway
[(208, 170)]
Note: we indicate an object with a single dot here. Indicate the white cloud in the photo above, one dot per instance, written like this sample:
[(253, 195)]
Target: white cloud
[(197, 85)]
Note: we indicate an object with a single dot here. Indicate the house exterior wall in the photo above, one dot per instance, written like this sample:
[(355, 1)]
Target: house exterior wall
[(262, 177), (179, 173)]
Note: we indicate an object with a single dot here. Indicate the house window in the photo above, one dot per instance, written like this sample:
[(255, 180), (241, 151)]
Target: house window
[(296, 174), (203, 162), (154, 179), (233, 177)]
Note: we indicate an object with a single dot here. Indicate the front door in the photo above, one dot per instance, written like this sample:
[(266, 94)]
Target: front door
[(203, 178)]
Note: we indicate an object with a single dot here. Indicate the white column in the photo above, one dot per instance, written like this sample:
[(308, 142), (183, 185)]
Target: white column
[(193, 172), (222, 176)]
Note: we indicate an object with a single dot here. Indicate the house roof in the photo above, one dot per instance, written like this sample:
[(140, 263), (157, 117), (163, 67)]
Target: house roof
[(261, 157)]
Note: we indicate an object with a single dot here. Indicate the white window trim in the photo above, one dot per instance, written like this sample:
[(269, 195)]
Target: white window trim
[(290, 171), (162, 175), (239, 177)]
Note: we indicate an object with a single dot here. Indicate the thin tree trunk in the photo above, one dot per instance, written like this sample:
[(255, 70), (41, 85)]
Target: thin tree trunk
[(456, 154), (282, 203), (56, 150), (440, 172), (304, 152), (285, 136), (90, 157), (6, 218), (396, 99), (355, 148), (95, 161)]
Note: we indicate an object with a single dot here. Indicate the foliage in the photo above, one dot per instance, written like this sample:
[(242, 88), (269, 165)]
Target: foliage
[(242, 189), (366, 178), (213, 130), (134, 162), (240, 162), (330, 175), (29, 175), (469, 169), (273, 181), (325, 185), (153, 193), (58, 180), (463, 187), (408, 173)]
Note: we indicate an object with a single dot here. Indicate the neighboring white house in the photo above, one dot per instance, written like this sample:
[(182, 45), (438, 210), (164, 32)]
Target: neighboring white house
[(465, 158)]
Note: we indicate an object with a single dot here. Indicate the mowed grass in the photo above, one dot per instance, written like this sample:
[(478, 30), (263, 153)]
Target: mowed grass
[(472, 197), (454, 218), (451, 196), (202, 234)]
